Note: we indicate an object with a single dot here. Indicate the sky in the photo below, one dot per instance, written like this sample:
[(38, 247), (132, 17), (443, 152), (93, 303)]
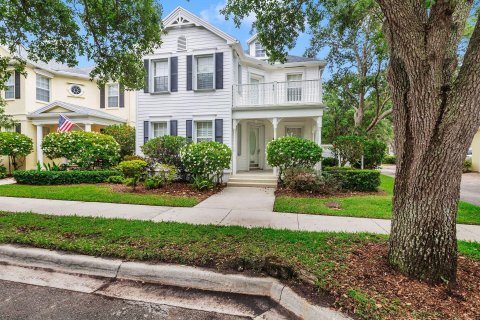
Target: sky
[(209, 10)]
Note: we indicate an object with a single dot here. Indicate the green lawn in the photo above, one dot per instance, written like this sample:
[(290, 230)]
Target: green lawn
[(363, 206), (95, 193), (320, 254)]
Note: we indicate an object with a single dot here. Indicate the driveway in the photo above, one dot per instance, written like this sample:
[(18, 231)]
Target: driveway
[(469, 190)]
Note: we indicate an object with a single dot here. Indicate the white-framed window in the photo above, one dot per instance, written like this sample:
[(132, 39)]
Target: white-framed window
[(204, 131), (259, 51), (182, 43), (160, 75), (294, 87), (113, 95), (294, 132), (10, 87), (159, 129), (76, 90), (43, 88), (205, 72)]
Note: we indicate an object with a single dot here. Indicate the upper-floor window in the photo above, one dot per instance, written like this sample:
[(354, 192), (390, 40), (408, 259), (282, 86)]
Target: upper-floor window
[(10, 88), (204, 72), (113, 95), (294, 87), (159, 129), (43, 88), (160, 75), (203, 131), (259, 51), (182, 43)]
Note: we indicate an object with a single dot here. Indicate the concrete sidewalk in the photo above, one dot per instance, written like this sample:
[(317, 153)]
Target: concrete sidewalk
[(204, 214)]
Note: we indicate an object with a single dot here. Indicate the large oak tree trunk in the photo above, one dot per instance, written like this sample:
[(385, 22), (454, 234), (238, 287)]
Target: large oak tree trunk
[(436, 115)]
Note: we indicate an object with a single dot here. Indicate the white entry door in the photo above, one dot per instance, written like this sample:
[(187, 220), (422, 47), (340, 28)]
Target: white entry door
[(254, 147)]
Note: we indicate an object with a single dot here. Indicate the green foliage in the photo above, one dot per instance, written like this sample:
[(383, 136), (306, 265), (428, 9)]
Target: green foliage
[(3, 171), (307, 180), (133, 171), (354, 179), (161, 175), (125, 137), (206, 160), (165, 149), (467, 165), (16, 146), (350, 148), (134, 157), (115, 179), (34, 177), (389, 159), (329, 162), (57, 30), (87, 150), (202, 184), (289, 152), (153, 183), (374, 152)]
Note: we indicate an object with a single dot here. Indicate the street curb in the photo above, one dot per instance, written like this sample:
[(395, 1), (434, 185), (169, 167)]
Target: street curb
[(168, 274)]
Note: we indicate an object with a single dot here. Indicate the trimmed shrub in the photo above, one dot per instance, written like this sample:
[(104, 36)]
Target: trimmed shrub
[(389, 159), (467, 166), (350, 148), (133, 171), (128, 158), (290, 152), (125, 137), (306, 180), (355, 179), (115, 179), (374, 152), (34, 177), (3, 172), (165, 149), (87, 150), (206, 160), (329, 162), (16, 147)]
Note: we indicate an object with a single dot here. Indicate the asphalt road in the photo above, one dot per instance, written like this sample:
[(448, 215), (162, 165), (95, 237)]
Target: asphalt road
[(21, 301)]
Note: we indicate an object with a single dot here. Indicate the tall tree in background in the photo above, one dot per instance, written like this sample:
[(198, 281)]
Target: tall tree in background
[(436, 112), (358, 58), (114, 34)]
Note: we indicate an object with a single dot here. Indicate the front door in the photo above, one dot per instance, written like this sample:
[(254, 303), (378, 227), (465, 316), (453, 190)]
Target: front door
[(254, 148)]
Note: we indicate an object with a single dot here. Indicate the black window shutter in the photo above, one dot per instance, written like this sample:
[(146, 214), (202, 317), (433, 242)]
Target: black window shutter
[(122, 96), (102, 97), (219, 130), (189, 72), (17, 85), (174, 74), (174, 127), (18, 127), (219, 70), (146, 129), (146, 64), (189, 134)]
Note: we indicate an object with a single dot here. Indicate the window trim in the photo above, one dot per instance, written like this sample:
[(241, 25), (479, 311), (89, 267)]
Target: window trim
[(194, 71), (107, 105), (49, 88), (152, 75), (194, 133), (262, 49), (302, 129), (12, 76), (152, 130)]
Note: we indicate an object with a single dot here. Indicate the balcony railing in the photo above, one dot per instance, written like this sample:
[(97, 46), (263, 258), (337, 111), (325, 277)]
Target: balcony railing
[(277, 93)]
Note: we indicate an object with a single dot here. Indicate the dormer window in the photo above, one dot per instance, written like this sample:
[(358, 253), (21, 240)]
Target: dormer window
[(182, 43), (259, 51)]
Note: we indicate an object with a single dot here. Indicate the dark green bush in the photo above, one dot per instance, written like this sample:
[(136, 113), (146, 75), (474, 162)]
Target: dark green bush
[(35, 177), (125, 137), (374, 152), (329, 162), (133, 171), (349, 148), (3, 172), (306, 180), (115, 179), (354, 179), (390, 160)]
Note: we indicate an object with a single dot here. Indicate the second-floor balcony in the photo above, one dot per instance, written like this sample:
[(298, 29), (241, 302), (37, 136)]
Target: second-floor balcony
[(302, 92)]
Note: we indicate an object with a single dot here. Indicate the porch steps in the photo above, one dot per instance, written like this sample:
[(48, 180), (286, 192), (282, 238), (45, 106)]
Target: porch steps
[(252, 180)]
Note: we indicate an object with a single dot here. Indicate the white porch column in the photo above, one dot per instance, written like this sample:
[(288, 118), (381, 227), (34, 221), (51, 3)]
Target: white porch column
[(275, 125), (318, 138), (234, 147), (39, 144), (88, 127)]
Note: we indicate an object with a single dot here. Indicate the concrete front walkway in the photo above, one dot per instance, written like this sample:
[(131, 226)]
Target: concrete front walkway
[(252, 214)]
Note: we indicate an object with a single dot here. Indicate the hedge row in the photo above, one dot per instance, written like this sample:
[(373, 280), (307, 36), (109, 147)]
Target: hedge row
[(355, 179), (35, 177)]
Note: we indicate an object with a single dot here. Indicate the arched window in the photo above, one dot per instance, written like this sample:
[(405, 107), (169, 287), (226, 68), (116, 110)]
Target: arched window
[(182, 43)]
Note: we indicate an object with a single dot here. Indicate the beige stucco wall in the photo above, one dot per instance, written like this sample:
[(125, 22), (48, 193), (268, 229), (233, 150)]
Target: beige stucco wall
[(476, 152)]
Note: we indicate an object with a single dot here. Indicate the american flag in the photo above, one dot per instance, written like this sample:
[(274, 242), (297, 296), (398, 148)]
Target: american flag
[(64, 124)]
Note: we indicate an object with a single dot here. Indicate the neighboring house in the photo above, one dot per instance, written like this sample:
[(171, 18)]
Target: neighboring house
[(476, 152), (202, 85), (48, 90)]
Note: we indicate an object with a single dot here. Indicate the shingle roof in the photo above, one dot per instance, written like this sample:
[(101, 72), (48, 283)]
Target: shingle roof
[(293, 59)]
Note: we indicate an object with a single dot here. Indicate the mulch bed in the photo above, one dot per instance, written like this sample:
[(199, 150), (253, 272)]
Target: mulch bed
[(339, 194), (177, 189), (368, 270)]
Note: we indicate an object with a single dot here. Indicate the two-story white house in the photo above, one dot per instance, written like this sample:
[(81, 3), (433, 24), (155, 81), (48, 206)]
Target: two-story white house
[(201, 84)]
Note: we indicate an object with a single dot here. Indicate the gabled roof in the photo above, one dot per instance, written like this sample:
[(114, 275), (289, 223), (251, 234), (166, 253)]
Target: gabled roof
[(75, 110), (182, 17)]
